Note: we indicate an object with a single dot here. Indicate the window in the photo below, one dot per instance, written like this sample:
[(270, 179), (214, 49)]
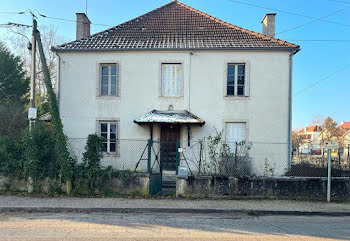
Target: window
[(109, 79), (235, 132), (108, 130), (171, 80), (235, 80)]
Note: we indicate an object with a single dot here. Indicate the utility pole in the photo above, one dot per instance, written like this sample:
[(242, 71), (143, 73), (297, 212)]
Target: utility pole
[(32, 114)]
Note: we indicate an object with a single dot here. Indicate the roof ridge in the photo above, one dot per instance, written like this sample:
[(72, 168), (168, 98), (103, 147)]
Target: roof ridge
[(232, 25)]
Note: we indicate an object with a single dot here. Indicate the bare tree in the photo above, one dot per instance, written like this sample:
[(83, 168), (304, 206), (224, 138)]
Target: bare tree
[(297, 140), (18, 40), (317, 120)]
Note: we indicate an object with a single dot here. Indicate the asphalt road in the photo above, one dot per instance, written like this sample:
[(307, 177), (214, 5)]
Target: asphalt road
[(119, 226)]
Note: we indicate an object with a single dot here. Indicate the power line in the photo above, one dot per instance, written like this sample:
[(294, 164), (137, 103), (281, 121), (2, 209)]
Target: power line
[(323, 79), (304, 24), (55, 18), (71, 20), (287, 12), (339, 1), (319, 40)]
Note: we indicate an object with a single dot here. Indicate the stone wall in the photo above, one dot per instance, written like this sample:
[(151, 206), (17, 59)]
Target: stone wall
[(282, 187), (138, 183)]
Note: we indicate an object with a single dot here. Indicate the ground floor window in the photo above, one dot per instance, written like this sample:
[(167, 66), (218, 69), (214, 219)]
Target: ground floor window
[(108, 130), (235, 132)]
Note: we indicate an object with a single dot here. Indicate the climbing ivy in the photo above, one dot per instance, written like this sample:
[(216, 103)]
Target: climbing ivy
[(65, 162)]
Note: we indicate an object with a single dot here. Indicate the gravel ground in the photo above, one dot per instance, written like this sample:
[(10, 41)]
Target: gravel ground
[(277, 205)]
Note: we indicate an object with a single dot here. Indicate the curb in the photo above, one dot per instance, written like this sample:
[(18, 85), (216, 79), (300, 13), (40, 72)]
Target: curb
[(250, 212)]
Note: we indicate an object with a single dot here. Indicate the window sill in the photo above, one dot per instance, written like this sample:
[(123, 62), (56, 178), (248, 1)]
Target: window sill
[(170, 97), (106, 154), (236, 97), (112, 97)]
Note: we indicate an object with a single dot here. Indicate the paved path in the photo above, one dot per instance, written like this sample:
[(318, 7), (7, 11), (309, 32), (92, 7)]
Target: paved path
[(96, 226), (283, 205)]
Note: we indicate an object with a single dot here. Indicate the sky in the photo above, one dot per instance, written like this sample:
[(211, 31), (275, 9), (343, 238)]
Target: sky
[(321, 77)]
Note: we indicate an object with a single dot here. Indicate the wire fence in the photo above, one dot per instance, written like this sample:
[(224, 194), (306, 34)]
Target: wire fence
[(204, 157)]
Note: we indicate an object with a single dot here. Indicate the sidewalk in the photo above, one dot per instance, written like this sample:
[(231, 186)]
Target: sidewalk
[(276, 207)]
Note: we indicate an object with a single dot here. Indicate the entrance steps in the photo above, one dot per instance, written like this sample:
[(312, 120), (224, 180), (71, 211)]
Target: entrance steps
[(168, 182)]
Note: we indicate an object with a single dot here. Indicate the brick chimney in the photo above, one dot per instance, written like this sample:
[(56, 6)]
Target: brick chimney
[(268, 24), (83, 26)]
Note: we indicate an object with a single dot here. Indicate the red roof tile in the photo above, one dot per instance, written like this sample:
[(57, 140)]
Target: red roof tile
[(345, 125), (176, 26), (312, 128)]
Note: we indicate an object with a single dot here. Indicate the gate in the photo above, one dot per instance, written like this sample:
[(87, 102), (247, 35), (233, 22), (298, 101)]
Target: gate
[(154, 168)]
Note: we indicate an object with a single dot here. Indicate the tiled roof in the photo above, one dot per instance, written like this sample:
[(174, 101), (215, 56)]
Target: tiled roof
[(175, 26), (345, 125), (313, 128)]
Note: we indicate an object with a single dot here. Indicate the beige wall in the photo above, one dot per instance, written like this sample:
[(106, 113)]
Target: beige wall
[(265, 109)]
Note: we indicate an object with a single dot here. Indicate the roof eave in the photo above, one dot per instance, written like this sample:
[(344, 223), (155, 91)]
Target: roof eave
[(294, 49)]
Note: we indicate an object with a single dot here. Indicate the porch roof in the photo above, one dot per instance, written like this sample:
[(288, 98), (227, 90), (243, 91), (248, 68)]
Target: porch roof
[(170, 117)]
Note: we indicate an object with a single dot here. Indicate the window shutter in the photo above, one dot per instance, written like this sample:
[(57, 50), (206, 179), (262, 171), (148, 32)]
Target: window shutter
[(171, 80), (235, 132)]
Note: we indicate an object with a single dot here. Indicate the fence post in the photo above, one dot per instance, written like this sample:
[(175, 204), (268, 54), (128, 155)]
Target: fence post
[(177, 155), (149, 145)]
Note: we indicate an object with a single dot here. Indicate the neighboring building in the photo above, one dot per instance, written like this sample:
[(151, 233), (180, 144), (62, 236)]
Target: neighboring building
[(345, 125), (346, 140), (340, 135), (310, 139), (176, 73)]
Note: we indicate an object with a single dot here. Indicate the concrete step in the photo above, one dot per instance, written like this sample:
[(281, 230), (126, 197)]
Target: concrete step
[(169, 183)]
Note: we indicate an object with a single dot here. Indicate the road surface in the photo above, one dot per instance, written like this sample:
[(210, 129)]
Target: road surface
[(131, 226)]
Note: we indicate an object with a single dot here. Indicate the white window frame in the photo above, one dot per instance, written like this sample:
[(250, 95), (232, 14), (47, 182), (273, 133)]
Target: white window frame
[(246, 93), (181, 78), (236, 121), (100, 64), (109, 122), (235, 85)]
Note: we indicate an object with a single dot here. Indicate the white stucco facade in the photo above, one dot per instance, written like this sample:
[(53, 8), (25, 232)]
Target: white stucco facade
[(264, 109)]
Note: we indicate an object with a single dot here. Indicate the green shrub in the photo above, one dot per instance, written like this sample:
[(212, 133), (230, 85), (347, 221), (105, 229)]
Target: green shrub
[(40, 159), (11, 157)]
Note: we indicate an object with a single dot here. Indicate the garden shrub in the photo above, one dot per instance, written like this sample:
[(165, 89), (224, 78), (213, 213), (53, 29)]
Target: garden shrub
[(40, 159), (11, 157)]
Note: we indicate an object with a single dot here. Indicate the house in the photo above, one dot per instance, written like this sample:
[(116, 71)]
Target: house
[(340, 134), (176, 73), (345, 125), (310, 143)]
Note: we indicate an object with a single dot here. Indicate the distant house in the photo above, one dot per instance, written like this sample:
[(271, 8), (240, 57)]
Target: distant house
[(310, 139), (345, 125), (346, 141), (175, 74), (340, 134)]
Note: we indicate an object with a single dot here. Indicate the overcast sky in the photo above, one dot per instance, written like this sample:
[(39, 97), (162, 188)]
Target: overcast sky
[(315, 62)]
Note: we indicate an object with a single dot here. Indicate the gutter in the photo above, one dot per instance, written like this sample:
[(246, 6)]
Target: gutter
[(53, 49), (290, 86)]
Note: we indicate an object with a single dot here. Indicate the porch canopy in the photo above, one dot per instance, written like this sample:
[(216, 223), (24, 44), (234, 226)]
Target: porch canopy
[(170, 117)]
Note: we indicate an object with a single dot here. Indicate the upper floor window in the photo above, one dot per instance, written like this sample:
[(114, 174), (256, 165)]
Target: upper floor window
[(236, 80), (171, 84), (109, 79)]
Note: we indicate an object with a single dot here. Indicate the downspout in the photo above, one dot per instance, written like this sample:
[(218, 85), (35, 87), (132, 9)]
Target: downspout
[(58, 82), (290, 79), (189, 83)]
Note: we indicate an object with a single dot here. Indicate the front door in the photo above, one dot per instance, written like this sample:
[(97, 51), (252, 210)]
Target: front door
[(168, 136)]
